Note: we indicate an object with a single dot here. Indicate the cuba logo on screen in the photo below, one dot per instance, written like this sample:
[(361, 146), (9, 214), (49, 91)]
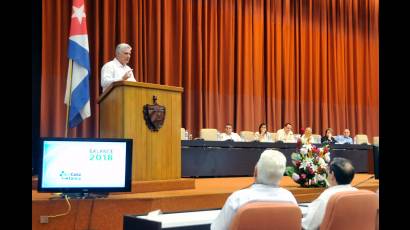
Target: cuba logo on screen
[(70, 175)]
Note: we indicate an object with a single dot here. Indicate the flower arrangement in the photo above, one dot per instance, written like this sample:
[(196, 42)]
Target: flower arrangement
[(309, 165)]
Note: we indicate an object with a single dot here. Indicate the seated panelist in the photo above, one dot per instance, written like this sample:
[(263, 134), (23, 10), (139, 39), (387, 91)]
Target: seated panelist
[(328, 137), (263, 135), (307, 136), (229, 135), (345, 138), (285, 134)]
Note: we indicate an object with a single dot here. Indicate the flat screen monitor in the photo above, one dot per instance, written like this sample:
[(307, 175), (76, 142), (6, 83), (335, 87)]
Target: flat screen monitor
[(85, 165)]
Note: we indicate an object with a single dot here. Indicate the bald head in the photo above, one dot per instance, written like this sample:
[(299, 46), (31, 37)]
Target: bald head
[(346, 133), (342, 170)]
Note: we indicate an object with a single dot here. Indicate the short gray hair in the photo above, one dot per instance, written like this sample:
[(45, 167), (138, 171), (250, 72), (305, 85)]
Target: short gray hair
[(271, 167), (121, 47)]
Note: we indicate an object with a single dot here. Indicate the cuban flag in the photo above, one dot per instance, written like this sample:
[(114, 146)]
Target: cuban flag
[(77, 96)]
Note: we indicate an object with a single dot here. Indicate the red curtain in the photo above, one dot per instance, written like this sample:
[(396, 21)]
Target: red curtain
[(311, 63)]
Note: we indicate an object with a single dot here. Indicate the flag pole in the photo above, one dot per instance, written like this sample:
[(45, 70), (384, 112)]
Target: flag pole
[(70, 74)]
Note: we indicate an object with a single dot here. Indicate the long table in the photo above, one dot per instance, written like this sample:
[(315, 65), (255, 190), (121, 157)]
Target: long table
[(194, 220), (226, 158)]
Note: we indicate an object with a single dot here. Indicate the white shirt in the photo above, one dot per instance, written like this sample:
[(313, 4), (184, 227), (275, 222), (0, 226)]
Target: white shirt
[(282, 136), (233, 136), (343, 140), (306, 140), (267, 137), (114, 71), (257, 192), (316, 209)]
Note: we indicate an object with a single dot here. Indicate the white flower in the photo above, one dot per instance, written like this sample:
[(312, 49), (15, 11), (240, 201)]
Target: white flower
[(295, 176), (303, 151), (322, 162), (314, 167), (303, 164), (320, 177), (295, 156), (327, 157)]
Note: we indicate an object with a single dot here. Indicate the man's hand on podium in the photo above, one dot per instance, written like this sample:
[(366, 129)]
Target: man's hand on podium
[(127, 75)]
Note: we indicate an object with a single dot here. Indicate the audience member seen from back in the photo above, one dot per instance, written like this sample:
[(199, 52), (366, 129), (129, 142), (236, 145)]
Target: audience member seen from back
[(307, 136), (345, 138), (341, 173), (269, 171), (328, 137), (263, 135), (117, 69), (285, 134), (229, 135)]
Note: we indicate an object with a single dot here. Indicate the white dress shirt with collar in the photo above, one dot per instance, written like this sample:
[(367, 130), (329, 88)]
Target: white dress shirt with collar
[(113, 71), (282, 136), (257, 192), (316, 209), (233, 136), (267, 137)]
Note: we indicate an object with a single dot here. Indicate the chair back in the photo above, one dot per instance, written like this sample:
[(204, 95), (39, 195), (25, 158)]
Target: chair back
[(316, 138), (353, 210), (247, 135), (274, 135), (361, 139), (267, 215), (209, 134), (183, 134), (377, 220), (376, 141)]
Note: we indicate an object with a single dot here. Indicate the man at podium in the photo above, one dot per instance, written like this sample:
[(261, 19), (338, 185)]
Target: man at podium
[(117, 69)]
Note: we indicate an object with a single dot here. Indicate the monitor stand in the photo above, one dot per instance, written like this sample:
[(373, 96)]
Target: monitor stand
[(84, 195)]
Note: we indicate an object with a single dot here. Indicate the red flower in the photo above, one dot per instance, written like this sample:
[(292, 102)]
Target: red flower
[(297, 163), (303, 176), (309, 170), (306, 183), (299, 143)]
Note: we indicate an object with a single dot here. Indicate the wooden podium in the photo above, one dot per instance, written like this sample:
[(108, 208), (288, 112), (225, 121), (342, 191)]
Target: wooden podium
[(156, 163)]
